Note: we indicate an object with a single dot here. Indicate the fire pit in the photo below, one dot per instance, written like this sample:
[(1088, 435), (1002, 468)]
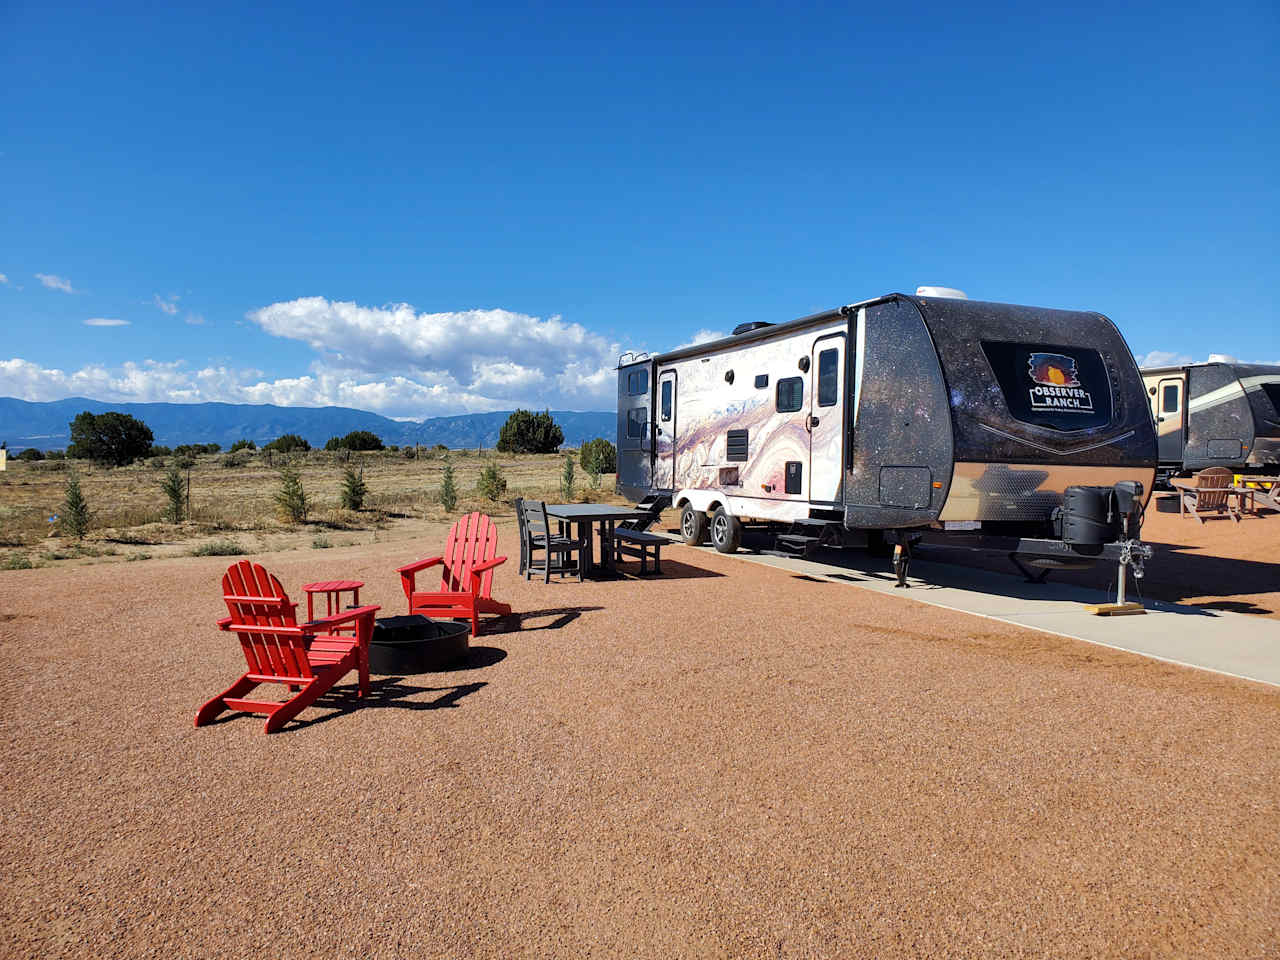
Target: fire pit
[(416, 644)]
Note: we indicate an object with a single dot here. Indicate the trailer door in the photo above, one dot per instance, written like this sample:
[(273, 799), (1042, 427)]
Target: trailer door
[(825, 421), (664, 446), (1170, 419)]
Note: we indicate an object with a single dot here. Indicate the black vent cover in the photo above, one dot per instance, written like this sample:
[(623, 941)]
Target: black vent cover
[(748, 327), (736, 446)]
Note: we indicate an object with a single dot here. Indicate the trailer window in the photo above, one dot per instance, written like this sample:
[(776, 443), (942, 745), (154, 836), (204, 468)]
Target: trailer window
[(666, 400), (637, 382), (828, 378), (790, 396), (1169, 398), (1049, 385), (637, 421)]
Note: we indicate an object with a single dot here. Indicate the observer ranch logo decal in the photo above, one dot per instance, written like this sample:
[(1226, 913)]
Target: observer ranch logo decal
[(1057, 384)]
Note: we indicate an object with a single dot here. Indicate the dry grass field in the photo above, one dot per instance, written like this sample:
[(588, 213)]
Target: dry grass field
[(232, 505)]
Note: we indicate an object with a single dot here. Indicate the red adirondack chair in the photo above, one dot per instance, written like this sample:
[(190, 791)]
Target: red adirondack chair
[(466, 574), (308, 658)]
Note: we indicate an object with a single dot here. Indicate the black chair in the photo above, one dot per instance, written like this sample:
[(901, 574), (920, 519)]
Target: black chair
[(556, 550)]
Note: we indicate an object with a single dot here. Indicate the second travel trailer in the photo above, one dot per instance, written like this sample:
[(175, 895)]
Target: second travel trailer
[(1216, 415), (891, 418)]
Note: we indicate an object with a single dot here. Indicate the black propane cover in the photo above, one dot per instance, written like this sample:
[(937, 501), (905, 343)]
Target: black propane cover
[(1087, 516)]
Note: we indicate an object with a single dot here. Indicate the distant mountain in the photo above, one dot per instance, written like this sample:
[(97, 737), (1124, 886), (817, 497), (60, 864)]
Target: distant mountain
[(47, 425)]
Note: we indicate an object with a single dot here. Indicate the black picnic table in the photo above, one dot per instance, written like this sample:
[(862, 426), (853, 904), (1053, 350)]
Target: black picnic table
[(584, 515)]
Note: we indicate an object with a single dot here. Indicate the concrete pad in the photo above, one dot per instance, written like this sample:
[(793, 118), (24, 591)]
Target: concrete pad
[(1235, 644)]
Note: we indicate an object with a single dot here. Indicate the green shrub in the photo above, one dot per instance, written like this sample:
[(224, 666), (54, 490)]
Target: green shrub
[(566, 479), (600, 454), (526, 432), (439, 448), (75, 510), (353, 489), (112, 437), (321, 543), (448, 489), (492, 484), (219, 548), (355, 440), (18, 561), (291, 499), (195, 449), (159, 452), (55, 455), (242, 445), (30, 455), (239, 458), (287, 443), (175, 492)]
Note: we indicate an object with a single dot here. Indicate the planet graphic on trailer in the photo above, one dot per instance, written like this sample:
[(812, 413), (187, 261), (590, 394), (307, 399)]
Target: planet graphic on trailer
[(1053, 370)]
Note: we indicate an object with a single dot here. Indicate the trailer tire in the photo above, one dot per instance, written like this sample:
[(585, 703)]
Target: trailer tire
[(693, 526), (726, 531)]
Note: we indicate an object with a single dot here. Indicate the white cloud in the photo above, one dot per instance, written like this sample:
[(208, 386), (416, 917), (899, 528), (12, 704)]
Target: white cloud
[(168, 305), (3, 278), (105, 322), (392, 360), (701, 337), (54, 282), (195, 319), (483, 359), (1163, 358)]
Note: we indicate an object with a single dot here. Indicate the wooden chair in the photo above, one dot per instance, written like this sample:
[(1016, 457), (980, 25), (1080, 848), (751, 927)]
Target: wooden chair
[(557, 549), (466, 579), (1210, 492), (308, 658)]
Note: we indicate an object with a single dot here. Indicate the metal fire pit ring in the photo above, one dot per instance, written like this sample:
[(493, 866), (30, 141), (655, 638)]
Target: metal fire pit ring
[(416, 644)]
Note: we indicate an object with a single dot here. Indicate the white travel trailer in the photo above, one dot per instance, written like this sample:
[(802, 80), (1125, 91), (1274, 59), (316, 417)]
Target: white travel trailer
[(896, 416)]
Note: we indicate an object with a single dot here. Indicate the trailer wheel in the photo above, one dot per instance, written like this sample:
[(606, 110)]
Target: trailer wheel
[(726, 531), (693, 526)]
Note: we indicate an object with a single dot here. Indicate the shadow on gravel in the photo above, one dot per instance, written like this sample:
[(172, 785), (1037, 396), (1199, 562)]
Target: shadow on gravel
[(529, 620), (384, 693), (675, 570)]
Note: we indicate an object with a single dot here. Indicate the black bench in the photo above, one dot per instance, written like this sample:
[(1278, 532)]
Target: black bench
[(637, 543)]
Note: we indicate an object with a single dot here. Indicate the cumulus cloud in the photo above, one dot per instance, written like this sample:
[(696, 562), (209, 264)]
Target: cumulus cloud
[(1163, 358), (105, 322), (392, 359), (167, 305), (194, 319), (54, 282), (487, 359), (701, 337), (3, 278)]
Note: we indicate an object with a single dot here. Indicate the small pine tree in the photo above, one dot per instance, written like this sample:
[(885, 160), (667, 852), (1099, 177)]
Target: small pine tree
[(593, 473), (354, 489), (448, 488), (566, 479), (291, 499), (75, 510), (492, 483), (173, 491)]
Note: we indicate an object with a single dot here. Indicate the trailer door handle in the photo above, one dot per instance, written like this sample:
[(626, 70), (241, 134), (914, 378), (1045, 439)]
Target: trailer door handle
[(810, 422)]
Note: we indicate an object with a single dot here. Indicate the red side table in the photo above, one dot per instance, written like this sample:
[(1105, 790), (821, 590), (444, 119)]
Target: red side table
[(333, 591)]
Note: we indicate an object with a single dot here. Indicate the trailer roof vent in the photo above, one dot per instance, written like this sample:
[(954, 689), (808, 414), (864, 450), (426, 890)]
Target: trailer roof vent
[(742, 328), (951, 293)]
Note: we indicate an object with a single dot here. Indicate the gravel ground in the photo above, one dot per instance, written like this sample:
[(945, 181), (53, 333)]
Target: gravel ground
[(731, 761)]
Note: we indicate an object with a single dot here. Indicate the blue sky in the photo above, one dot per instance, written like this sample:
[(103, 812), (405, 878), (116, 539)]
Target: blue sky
[(430, 210)]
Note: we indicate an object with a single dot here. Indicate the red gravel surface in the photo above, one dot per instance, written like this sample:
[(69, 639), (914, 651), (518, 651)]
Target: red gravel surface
[(726, 761)]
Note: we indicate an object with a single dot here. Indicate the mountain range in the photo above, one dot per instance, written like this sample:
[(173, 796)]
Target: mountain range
[(46, 425)]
